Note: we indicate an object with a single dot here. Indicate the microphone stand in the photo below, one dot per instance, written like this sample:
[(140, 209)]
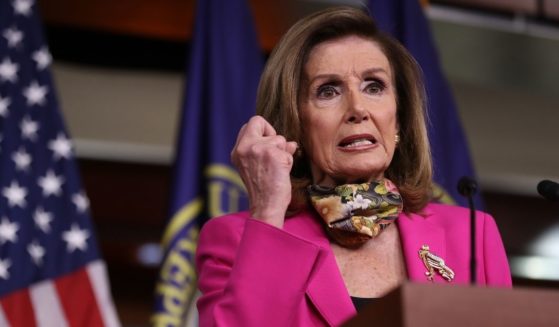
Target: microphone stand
[(473, 262), (467, 187)]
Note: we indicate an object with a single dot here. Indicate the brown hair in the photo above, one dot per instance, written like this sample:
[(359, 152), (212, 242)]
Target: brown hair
[(278, 100)]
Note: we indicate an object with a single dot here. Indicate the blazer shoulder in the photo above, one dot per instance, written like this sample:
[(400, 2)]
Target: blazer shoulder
[(452, 215), (439, 209), (226, 229), (232, 221), (445, 209)]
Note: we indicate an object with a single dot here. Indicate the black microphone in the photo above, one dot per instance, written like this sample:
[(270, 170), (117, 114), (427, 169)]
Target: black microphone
[(549, 190), (467, 187)]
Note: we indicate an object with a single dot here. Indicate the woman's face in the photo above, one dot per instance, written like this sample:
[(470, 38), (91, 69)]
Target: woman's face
[(348, 108)]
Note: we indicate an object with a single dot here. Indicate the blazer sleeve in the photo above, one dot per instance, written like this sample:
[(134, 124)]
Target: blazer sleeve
[(251, 273), (497, 271)]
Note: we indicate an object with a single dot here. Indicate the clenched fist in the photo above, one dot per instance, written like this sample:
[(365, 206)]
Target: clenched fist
[(264, 160)]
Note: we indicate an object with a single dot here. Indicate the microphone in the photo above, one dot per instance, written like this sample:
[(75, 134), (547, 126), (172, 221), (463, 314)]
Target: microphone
[(549, 190), (467, 187)]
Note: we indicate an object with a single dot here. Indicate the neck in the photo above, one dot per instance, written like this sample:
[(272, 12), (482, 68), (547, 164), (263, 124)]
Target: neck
[(332, 181)]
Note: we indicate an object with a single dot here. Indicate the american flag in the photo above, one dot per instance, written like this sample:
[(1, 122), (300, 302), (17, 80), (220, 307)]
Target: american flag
[(51, 273)]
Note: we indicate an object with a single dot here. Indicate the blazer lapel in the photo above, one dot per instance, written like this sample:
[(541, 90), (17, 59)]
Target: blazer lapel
[(416, 231), (326, 288), (328, 293)]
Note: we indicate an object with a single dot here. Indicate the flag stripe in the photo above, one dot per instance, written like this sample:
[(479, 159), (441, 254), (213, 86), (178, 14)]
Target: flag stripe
[(98, 276), (78, 299), (47, 305), (18, 309), (3, 320)]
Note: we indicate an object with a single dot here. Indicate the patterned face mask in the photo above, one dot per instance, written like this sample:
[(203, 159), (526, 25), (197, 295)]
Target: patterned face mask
[(356, 213)]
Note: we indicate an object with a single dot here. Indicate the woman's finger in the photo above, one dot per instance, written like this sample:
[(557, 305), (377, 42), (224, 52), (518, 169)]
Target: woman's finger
[(258, 126), (291, 147)]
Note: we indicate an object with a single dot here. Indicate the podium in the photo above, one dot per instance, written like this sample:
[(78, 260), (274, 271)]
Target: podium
[(414, 305)]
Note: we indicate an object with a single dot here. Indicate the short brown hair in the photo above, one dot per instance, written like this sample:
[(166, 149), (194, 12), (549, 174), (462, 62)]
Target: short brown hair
[(280, 84)]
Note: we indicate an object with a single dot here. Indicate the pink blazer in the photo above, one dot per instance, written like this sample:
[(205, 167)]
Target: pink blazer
[(254, 274)]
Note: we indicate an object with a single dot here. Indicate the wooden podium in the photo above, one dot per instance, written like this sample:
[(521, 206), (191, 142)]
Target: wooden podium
[(430, 305)]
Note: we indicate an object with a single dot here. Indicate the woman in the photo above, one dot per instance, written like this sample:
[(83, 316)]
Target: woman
[(338, 153)]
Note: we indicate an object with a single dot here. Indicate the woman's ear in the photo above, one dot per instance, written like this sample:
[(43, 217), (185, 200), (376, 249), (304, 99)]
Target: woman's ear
[(397, 135)]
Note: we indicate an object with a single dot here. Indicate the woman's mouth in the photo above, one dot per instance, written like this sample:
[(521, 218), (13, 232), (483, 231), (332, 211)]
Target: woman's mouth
[(357, 141)]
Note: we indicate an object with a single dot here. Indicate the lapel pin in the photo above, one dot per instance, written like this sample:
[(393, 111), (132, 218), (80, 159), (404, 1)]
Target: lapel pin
[(434, 263)]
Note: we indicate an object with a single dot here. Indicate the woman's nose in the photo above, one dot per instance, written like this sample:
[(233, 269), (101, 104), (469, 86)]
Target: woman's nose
[(356, 110)]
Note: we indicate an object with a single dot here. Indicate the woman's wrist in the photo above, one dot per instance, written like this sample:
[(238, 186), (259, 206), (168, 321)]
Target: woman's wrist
[(273, 217)]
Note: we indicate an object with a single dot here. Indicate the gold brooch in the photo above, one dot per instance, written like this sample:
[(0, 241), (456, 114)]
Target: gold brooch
[(434, 263)]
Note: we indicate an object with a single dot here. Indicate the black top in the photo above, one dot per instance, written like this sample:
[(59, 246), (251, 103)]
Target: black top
[(361, 302)]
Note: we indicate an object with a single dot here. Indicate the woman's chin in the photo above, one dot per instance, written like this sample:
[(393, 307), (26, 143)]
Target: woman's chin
[(350, 174), (359, 177)]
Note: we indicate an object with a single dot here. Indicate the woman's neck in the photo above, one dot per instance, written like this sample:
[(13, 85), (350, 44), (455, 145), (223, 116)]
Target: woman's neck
[(329, 181)]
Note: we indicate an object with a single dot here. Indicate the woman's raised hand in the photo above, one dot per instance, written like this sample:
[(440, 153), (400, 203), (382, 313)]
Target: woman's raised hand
[(264, 160)]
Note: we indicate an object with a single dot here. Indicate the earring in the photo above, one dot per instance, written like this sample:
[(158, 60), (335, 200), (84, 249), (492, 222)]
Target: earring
[(397, 138)]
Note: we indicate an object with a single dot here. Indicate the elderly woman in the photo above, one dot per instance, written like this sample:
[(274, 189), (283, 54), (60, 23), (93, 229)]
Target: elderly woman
[(338, 173)]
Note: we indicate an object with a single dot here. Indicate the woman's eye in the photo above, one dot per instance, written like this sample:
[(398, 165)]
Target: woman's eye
[(326, 92), (374, 87)]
